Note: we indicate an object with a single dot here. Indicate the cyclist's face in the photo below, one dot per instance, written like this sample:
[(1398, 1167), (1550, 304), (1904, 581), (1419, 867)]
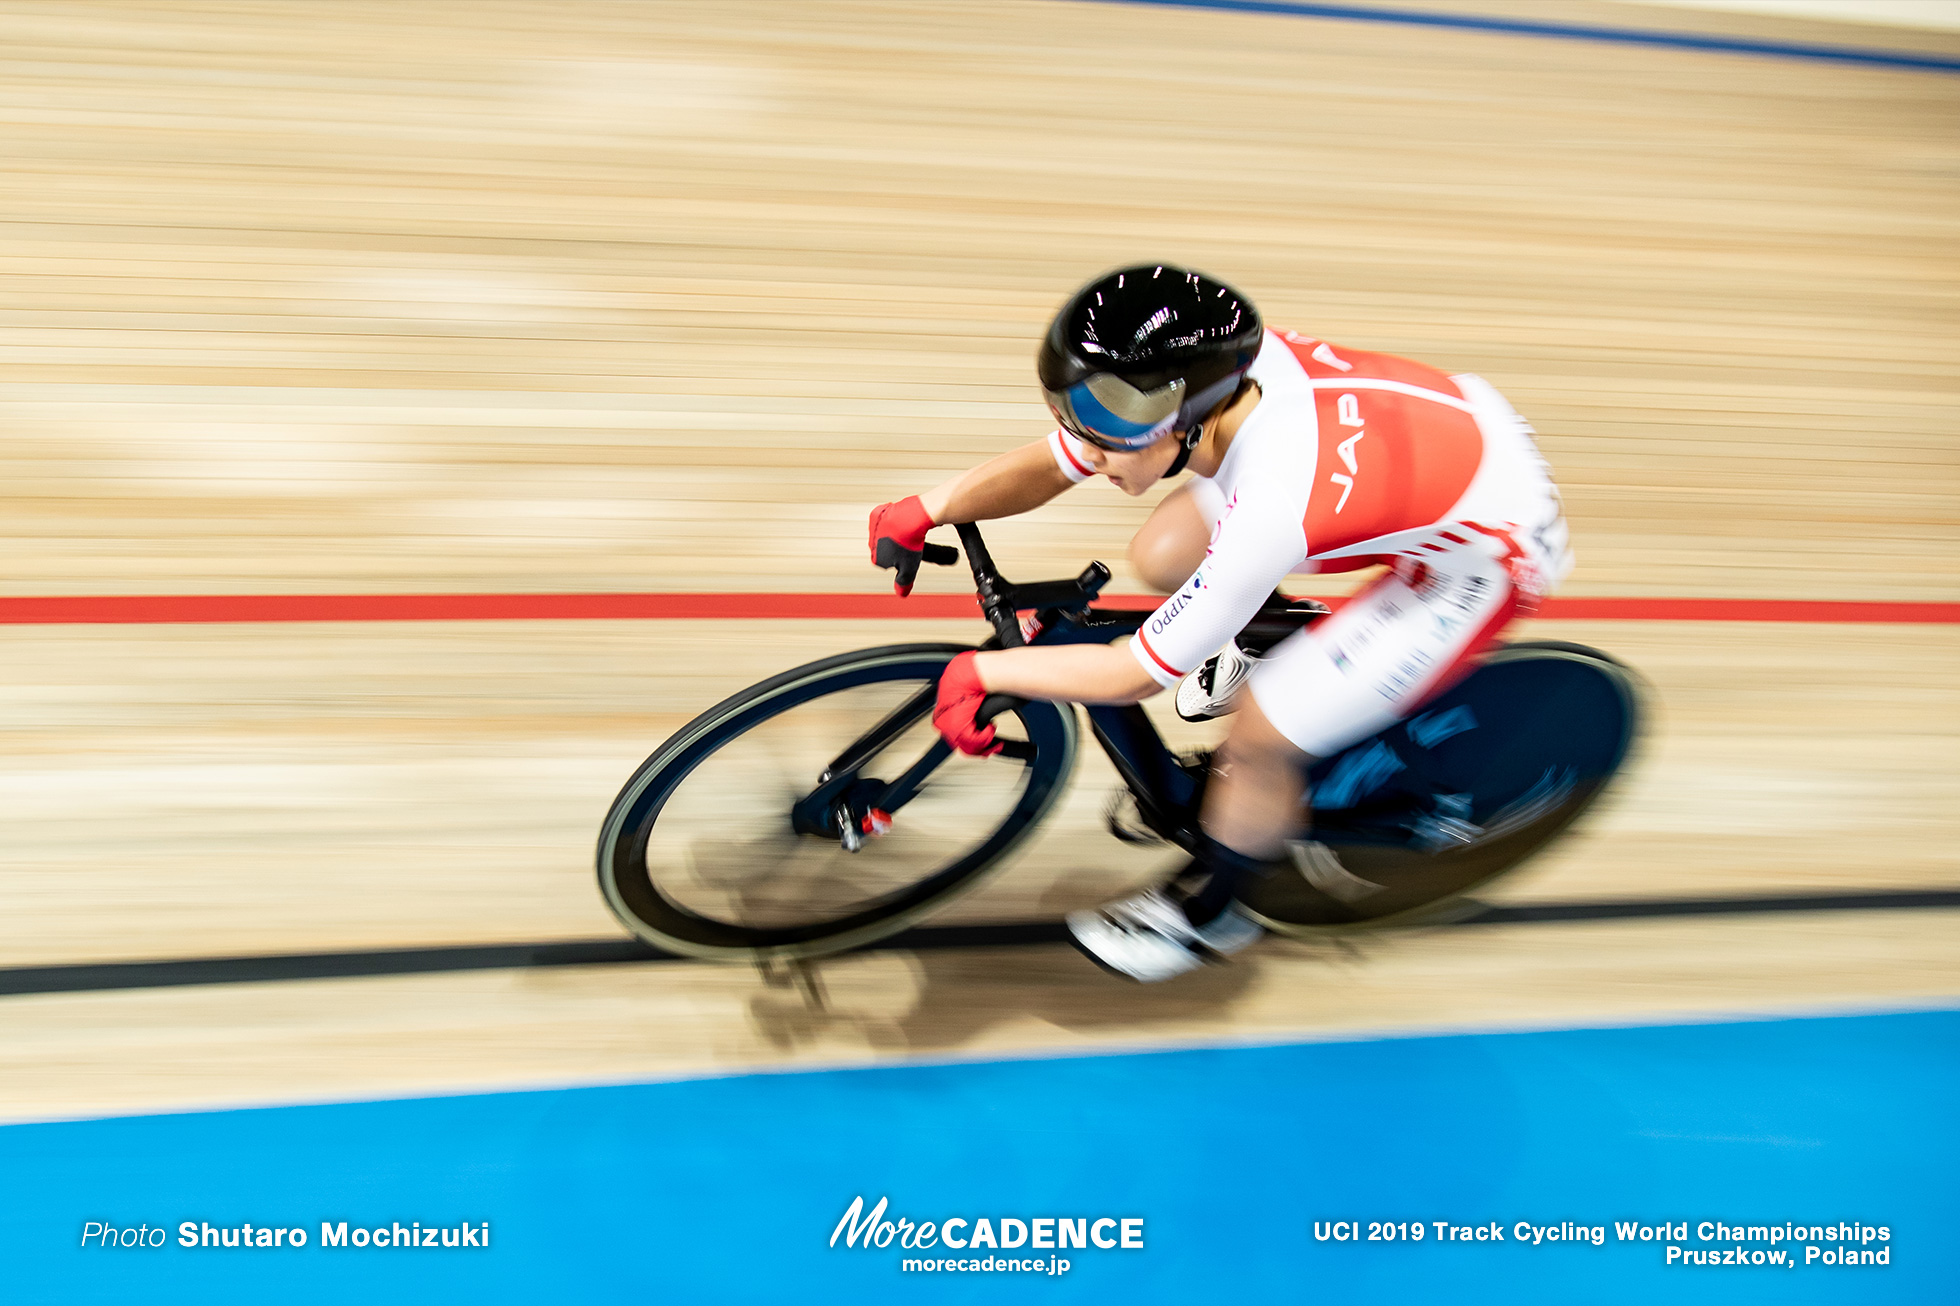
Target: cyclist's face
[(1136, 470)]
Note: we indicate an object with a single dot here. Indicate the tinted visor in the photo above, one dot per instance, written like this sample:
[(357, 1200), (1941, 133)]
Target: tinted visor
[(1109, 412)]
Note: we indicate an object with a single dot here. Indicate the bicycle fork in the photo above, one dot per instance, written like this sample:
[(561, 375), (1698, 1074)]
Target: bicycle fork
[(849, 807)]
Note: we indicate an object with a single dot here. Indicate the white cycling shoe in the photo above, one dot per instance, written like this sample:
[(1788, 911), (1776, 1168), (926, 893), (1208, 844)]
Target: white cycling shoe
[(1207, 692), (1148, 937)]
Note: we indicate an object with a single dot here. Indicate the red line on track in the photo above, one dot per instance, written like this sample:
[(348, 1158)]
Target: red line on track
[(207, 608), (143, 609), (1822, 610)]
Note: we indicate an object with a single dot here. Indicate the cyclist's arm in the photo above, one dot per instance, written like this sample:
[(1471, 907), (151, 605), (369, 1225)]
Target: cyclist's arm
[(1068, 673), (1018, 481), (1257, 542)]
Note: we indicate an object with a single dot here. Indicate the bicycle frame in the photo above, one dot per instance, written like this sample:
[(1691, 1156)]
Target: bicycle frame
[(845, 806), (1410, 818)]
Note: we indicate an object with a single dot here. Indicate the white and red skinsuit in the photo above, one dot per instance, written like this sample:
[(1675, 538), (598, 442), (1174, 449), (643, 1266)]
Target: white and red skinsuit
[(1352, 460)]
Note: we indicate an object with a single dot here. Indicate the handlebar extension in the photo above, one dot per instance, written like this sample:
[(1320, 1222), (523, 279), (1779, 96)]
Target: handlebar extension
[(994, 705)]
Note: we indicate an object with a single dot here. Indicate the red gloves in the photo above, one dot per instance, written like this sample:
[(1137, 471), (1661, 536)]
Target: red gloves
[(898, 539), (960, 696)]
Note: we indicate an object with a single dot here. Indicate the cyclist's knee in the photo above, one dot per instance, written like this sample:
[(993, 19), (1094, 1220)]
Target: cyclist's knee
[(1170, 545), (1156, 564)]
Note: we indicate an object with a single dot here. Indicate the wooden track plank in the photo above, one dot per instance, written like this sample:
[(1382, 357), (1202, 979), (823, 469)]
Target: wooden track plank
[(77, 1055), (188, 791), (1724, 291), (416, 297)]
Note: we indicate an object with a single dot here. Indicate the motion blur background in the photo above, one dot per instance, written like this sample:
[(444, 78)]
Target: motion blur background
[(407, 298)]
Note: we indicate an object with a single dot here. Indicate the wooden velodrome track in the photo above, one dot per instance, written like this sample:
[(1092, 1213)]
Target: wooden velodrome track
[(399, 298)]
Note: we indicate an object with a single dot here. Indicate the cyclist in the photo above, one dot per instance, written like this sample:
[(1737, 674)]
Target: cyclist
[(1305, 457)]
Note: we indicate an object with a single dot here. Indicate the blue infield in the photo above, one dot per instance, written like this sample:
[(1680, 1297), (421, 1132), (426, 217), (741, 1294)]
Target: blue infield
[(1232, 1160)]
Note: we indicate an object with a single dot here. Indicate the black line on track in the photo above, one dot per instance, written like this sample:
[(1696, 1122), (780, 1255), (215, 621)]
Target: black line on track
[(96, 977)]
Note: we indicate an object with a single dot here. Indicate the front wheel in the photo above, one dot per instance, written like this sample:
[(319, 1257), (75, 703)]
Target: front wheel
[(743, 836)]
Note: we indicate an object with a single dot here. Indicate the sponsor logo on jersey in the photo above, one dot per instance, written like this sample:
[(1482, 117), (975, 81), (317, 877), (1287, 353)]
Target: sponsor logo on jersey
[(1177, 603)]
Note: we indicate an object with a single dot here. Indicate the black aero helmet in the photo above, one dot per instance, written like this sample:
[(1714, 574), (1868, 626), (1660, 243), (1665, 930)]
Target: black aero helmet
[(1145, 351)]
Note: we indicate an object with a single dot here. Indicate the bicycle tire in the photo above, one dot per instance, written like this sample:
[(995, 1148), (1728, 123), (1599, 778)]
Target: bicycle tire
[(1369, 885), (659, 919)]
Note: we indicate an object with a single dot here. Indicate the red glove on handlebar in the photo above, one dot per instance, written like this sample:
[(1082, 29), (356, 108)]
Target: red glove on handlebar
[(898, 539), (960, 696)]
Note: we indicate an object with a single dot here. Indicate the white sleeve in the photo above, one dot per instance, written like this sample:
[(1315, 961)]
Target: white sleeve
[(1068, 456), (1259, 540)]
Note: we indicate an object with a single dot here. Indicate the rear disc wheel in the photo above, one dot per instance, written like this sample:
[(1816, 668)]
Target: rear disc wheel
[(1483, 778)]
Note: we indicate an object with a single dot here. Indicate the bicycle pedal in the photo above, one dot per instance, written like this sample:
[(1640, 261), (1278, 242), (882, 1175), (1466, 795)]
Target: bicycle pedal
[(848, 833), (876, 822), (1125, 820)]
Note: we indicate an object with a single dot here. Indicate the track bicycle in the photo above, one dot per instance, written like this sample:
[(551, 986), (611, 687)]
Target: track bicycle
[(820, 811)]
